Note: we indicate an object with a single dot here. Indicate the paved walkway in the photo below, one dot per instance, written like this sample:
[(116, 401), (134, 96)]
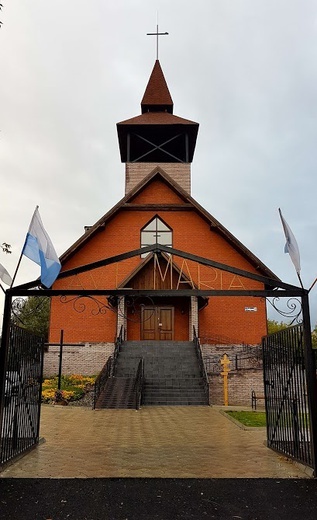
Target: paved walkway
[(164, 442)]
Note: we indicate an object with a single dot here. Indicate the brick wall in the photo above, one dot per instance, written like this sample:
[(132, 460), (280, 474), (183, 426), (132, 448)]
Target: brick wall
[(136, 172), (240, 386), (87, 359), (240, 382), (238, 318)]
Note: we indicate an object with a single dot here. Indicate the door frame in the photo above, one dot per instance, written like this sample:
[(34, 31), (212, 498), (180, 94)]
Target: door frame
[(158, 321)]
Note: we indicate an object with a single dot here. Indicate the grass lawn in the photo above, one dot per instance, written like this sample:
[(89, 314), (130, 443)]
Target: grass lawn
[(250, 419)]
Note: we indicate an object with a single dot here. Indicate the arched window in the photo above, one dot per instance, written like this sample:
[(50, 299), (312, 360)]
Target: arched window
[(156, 232)]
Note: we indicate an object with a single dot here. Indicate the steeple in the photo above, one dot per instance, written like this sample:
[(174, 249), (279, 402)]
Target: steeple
[(157, 136), (157, 97)]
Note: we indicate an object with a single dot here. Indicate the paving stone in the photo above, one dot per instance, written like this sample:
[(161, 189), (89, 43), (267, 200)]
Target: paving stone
[(160, 441)]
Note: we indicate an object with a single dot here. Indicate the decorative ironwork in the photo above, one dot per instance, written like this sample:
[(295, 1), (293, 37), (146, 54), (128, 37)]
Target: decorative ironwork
[(292, 311), (285, 388), (22, 397), (79, 305), (133, 305)]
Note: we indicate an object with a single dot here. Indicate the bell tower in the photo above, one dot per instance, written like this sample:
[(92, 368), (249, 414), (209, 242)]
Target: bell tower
[(157, 137)]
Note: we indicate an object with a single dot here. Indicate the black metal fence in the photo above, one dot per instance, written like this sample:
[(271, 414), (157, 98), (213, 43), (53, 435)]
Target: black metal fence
[(250, 358), (285, 386), (21, 401)]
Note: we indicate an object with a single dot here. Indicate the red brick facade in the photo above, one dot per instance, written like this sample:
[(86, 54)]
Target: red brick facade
[(223, 316)]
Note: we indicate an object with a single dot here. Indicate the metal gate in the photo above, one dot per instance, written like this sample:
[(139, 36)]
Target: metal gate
[(20, 406), (286, 384), (289, 367)]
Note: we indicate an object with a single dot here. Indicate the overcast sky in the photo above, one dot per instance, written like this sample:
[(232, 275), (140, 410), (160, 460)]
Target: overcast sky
[(245, 70)]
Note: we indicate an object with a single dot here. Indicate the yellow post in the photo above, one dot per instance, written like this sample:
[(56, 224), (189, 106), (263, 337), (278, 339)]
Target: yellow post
[(225, 361)]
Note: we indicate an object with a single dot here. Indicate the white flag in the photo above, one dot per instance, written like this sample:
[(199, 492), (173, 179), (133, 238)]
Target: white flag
[(4, 275), (39, 248), (291, 245)]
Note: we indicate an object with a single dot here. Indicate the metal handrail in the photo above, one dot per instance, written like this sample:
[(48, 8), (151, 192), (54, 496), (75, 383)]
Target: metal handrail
[(102, 379), (203, 370), (239, 362), (117, 345), (139, 384)]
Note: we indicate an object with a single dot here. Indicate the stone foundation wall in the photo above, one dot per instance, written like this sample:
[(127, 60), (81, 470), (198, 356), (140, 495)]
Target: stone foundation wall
[(86, 359)]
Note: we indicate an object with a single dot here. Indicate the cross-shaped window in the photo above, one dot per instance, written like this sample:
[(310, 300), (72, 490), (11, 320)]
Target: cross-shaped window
[(156, 232)]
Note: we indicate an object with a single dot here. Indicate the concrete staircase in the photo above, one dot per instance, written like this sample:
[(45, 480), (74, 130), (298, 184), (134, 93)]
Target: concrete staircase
[(118, 393), (171, 371)]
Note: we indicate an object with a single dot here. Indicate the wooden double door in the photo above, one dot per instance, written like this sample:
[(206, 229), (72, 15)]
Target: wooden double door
[(157, 323)]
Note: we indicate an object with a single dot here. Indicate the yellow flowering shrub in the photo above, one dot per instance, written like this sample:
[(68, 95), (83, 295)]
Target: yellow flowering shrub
[(48, 395), (73, 387)]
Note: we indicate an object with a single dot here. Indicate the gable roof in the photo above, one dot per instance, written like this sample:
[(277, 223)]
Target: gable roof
[(158, 173)]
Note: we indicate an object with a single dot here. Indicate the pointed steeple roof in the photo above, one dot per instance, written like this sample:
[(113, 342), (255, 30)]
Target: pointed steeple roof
[(157, 97)]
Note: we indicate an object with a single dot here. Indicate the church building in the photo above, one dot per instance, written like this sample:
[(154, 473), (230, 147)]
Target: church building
[(158, 148)]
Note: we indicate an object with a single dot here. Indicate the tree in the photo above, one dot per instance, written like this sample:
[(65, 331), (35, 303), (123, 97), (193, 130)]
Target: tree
[(275, 326), (32, 314)]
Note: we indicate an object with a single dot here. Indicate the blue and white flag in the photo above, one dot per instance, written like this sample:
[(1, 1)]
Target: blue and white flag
[(291, 245), (4, 275), (39, 248)]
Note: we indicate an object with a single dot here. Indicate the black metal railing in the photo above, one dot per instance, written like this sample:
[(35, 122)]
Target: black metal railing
[(285, 387), (118, 342), (102, 379), (139, 384), (201, 364), (246, 360), (21, 401)]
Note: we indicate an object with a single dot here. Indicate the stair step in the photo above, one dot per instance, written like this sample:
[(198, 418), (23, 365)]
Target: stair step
[(118, 393), (171, 371), (174, 402)]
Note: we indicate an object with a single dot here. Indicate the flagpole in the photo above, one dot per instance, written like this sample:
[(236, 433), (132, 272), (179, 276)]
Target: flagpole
[(20, 259), (2, 288), (17, 268), (312, 285), (300, 280)]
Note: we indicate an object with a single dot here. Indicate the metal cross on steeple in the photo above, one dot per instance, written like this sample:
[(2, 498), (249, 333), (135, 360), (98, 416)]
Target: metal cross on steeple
[(157, 34)]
